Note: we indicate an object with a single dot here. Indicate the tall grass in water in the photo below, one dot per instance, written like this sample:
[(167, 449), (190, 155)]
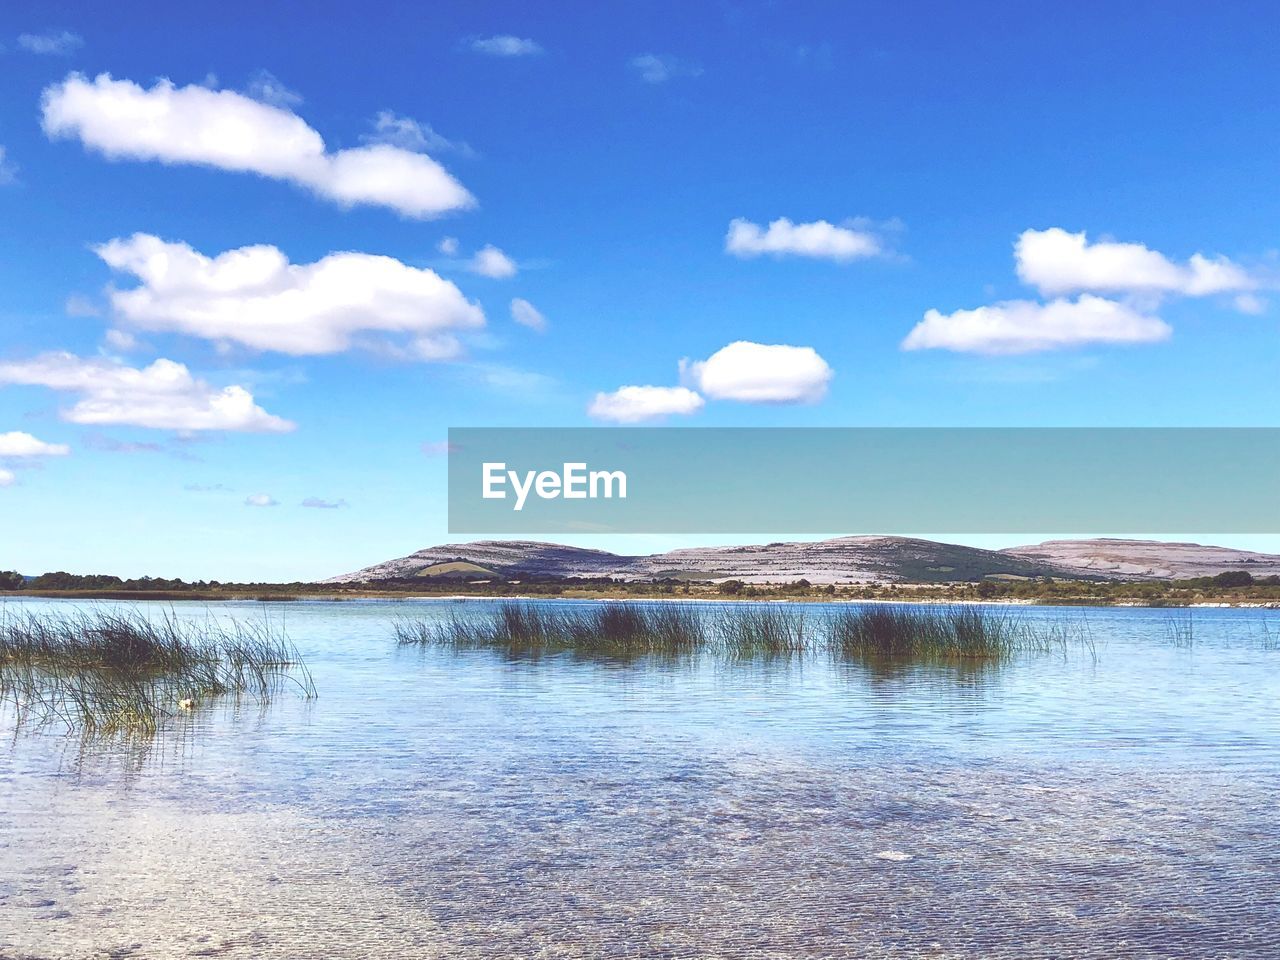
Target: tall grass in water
[(738, 630), (613, 629), (961, 632), (103, 671), (1181, 630), (769, 630)]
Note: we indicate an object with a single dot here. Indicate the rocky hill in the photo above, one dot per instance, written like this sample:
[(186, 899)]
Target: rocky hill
[(1146, 559), (842, 560)]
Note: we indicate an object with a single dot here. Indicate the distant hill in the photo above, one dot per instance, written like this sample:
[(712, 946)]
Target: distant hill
[(1145, 559), (842, 560)]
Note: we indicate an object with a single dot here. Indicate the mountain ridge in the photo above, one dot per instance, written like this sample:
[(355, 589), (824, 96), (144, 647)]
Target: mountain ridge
[(852, 559)]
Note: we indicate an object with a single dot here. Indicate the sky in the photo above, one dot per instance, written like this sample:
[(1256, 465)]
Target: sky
[(255, 260)]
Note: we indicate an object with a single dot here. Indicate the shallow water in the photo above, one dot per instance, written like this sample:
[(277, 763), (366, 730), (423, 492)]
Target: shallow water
[(1119, 802)]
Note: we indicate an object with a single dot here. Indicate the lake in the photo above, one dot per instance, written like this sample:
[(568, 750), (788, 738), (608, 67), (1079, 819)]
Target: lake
[(1116, 801)]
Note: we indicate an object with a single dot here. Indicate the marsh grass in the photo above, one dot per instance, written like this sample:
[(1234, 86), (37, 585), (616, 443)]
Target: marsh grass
[(104, 671), (1180, 629), (761, 631), (1269, 637), (767, 631), (610, 630), (961, 632)]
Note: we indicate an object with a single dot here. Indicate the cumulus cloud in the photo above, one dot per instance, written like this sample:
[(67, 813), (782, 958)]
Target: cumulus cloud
[(505, 45), (527, 315), (1057, 262), (819, 240), (414, 135), (8, 170), (232, 131), (660, 67), (448, 246), (254, 296), (18, 449), (17, 444), (162, 396), (318, 504), (637, 404), (1025, 326), (53, 42), (760, 373), (489, 261), (261, 500)]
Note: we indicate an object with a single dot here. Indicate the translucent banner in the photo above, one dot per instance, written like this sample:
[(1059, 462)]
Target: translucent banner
[(856, 480)]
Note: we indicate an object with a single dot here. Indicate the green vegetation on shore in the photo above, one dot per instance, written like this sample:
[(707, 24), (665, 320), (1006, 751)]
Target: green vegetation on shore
[(1228, 587)]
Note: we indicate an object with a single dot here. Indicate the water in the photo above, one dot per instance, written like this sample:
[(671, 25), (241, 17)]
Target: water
[(1120, 803)]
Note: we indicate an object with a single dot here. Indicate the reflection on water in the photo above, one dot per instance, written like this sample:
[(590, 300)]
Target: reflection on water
[(470, 805)]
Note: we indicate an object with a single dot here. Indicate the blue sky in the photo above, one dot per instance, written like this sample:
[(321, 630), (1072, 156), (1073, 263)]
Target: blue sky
[(883, 161)]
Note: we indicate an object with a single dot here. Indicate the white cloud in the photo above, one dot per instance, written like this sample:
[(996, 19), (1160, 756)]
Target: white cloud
[(1058, 262), (636, 404), (254, 296), (1024, 326), (78, 305), (265, 87), (7, 477), (525, 385), (489, 261), (8, 170), (121, 340), (410, 134), (230, 131), (660, 67), (527, 315), (16, 444), (1250, 303), (162, 396), (261, 500), (316, 503), (820, 240), (505, 45), (57, 43), (448, 246), (760, 373)]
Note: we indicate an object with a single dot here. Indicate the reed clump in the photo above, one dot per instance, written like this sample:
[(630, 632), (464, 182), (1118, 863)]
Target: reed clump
[(767, 631), (959, 633), (739, 631), (617, 630), (103, 671)]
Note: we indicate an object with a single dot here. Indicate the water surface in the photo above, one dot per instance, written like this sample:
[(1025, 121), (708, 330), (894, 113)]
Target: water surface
[(1113, 802)]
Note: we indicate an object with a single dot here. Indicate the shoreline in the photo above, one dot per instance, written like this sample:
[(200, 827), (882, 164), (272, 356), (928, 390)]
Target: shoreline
[(381, 596)]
